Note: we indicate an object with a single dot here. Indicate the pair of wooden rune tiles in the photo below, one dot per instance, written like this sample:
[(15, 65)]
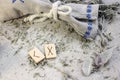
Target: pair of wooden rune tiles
[(37, 55)]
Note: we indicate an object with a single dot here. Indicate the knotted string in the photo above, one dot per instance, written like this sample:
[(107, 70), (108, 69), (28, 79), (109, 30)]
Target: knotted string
[(57, 9), (67, 13)]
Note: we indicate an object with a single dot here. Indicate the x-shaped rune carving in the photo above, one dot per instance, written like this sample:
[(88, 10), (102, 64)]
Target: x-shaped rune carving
[(35, 55), (50, 52), (13, 1)]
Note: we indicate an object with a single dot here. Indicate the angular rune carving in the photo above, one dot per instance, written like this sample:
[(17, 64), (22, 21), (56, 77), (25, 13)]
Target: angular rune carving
[(50, 52), (36, 55)]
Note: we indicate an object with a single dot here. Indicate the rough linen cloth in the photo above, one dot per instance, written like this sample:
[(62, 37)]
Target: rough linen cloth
[(82, 17)]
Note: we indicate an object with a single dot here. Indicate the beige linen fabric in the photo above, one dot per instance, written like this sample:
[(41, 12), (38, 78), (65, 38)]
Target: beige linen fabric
[(82, 17)]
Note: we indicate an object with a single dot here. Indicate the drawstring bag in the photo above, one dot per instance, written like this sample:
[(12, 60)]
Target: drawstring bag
[(82, 17)]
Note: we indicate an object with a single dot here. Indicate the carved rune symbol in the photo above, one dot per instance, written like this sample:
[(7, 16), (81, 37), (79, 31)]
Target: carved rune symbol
[(50, 52), (36, 55)]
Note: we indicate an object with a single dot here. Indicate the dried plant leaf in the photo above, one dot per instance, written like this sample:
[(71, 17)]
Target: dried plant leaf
[(87, 66)]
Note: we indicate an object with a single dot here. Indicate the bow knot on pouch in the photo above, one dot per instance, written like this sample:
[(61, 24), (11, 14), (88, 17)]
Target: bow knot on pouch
[(58, 9), (82, 17)]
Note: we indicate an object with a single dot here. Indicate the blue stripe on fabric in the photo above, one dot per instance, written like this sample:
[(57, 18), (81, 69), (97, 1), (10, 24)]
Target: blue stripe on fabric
[(89, 6), (89, 10), (89, 28), (13, 1), (90, 22), (88, 15)]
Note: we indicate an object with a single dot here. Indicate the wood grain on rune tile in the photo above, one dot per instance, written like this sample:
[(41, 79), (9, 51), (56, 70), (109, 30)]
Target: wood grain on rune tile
[(36, 55), (50, 51)]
